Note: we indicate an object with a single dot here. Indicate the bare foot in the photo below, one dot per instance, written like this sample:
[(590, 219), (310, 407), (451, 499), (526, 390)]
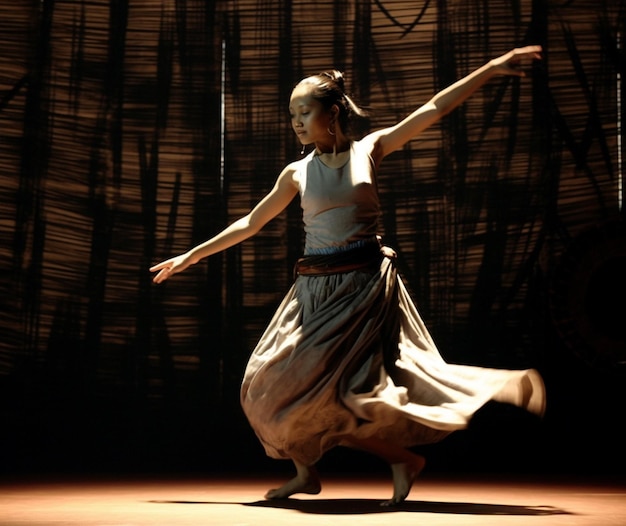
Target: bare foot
[(302, 483), (404, 473)]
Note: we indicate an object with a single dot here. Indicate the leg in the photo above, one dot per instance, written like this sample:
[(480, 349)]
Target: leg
[(405, 465), (306, 481)]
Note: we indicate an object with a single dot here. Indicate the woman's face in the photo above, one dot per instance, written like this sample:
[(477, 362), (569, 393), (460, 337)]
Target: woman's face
[(309, 120)]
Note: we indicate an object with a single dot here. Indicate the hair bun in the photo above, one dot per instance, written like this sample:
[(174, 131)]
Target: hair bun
[(336, 76)]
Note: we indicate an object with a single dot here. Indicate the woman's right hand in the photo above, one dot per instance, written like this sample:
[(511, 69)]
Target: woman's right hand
[(171, 266)]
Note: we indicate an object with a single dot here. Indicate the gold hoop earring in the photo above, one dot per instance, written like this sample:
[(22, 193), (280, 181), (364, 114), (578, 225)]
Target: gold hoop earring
[(329, 131)]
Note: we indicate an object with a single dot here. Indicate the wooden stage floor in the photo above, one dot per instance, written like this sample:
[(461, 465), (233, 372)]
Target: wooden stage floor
[(345, 500)]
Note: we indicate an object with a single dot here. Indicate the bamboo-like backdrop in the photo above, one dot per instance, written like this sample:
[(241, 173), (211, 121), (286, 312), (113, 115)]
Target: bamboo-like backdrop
[(132, 129)]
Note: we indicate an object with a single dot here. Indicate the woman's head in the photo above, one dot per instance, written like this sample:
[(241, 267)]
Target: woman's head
[(325, 93)]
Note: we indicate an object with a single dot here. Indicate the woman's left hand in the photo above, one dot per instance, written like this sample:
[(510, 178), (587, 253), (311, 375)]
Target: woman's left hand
[(510, 63)]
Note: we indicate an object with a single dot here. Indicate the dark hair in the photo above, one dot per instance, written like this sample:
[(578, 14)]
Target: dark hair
[(329, 89)]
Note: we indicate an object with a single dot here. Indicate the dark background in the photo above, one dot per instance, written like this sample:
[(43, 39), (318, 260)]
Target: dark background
[(133, 129)]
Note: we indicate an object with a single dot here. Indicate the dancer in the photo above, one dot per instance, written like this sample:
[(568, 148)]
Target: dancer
[(346, 359)]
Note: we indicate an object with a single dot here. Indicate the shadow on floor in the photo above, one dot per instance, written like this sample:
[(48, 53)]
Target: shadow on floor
[(371, 506)]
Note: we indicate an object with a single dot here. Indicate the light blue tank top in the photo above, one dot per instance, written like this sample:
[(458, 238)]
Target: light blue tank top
[(340, 205)]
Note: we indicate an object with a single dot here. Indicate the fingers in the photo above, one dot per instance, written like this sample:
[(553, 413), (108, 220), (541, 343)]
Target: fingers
[(532, 52), (535, 50), (163, 275), (167, 264), (164, 270), (512, 61)]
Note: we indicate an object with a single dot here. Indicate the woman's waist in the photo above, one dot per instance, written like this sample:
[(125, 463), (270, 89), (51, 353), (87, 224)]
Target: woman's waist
[(358, 255), (311, 249)]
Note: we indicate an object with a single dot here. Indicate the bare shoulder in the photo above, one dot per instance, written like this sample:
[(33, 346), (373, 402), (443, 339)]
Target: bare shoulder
[(372, 146), (290, 174)]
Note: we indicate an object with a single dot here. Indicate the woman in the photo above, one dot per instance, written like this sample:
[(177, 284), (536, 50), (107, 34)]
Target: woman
[(346, 359)]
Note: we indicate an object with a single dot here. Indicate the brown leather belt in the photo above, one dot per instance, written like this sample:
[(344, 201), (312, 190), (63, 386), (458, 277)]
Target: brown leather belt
[(362, 258)]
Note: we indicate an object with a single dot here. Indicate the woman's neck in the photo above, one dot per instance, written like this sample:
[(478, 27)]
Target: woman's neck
[(335, 158), (340, 145)]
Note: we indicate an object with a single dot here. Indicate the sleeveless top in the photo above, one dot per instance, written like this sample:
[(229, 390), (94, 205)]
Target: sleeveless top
[(340, 206)]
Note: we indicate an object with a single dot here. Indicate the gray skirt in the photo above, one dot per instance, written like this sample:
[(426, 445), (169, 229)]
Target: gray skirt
[(348, 355)]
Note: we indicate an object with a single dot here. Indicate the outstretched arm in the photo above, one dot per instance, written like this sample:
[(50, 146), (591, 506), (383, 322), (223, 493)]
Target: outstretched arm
[(393, 138), (269, 207)]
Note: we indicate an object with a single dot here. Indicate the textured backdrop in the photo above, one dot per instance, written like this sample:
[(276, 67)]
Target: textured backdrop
[(132, 129)]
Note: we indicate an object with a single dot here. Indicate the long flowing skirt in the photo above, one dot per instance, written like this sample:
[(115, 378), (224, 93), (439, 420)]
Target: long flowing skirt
[(348, 354)]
